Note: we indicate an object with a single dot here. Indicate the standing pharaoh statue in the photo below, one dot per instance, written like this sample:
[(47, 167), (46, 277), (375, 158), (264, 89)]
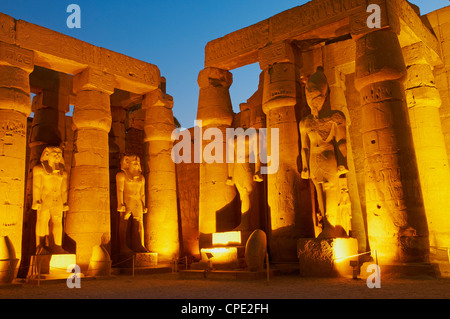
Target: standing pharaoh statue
[(324, 153), (131, 204), (50, 201), (244, 171)]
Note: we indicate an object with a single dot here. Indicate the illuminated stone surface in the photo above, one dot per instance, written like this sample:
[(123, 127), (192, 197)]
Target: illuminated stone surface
[(255, 250), (131, 204), (327, 257), (390, 83), (161, 234), (8, 260), (50, 201)]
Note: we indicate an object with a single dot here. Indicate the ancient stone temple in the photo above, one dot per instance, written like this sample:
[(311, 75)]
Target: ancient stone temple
[(107, 90), (369, 89), (340, 157)]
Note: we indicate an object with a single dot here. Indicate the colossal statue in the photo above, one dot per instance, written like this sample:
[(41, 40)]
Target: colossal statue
[(324, 152), (244, 172), (131, 203), (50, 201)]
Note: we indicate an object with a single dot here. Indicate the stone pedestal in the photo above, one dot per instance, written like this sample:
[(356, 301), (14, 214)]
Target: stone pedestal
[(146, 259), (50, 266), (220, 258), (100, 263), (326, 257), (141, 260)]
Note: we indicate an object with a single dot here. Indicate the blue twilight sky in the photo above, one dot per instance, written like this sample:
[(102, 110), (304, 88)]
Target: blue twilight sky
[(169, 33)]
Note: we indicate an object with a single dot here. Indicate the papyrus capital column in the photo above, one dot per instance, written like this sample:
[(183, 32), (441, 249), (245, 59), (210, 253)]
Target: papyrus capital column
[(88, 219), (215, 111), (290, 213), (395, 215), (161, 226), (16, 64), (423, 101)]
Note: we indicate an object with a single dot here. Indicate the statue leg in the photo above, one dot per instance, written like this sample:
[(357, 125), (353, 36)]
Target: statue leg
[(42, 229), (123, 232), (57, 228), (332, 193), (141, 233), (320, 200)]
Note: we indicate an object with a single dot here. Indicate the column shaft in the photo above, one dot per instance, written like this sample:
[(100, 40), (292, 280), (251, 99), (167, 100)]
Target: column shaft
[(161, 222), (16, 64), (216, 112), (88, 219), (289, 208), (423, 102), (395, 214)]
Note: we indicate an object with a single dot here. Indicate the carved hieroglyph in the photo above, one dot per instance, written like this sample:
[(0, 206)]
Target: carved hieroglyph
[(395, 213)]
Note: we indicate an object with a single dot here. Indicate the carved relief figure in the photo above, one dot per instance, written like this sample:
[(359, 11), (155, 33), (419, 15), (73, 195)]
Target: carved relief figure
[(324, 152), (50, 201), (131, 203)]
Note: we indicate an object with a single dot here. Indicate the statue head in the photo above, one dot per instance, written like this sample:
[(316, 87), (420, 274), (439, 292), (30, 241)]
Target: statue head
[(131, 164), (316, 90), (52, 156)]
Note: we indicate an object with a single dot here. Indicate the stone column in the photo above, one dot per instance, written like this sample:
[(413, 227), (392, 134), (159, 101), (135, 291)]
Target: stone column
[(116, 151), (395, 214), (423, 100), (290, 216), (338, 101), (16, 64), (48, 129), (161, 222), (214, 111), (88, 219)]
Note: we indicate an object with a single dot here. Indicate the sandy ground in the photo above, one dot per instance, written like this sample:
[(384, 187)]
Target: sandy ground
[(171, 286)]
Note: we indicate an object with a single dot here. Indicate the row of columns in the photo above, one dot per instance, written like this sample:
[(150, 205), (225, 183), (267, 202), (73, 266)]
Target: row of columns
[(88, 219), (405, 159)]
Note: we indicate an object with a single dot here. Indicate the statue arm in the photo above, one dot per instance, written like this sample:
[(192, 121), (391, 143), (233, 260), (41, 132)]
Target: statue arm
[(231, 157), (37, 187), (120, 185), (341, 140), (305, 150), (143, 195), (64, 192)]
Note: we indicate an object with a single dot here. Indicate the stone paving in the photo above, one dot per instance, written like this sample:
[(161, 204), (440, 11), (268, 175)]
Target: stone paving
[(171, 286)]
